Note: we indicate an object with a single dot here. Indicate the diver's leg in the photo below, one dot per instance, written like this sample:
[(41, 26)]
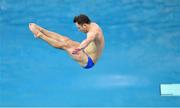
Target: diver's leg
[(51, 41), (80, 57), (50, 34), (69, 46)]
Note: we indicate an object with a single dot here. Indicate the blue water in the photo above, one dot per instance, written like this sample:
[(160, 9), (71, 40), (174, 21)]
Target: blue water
[(142, 50)]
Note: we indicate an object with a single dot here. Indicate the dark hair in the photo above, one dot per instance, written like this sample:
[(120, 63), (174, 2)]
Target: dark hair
[(82, 19)]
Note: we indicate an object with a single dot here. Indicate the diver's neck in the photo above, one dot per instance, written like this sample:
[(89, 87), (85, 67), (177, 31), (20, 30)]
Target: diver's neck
[(88, 27)]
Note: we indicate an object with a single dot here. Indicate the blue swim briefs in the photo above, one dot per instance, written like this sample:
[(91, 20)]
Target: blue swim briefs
[(90, 63)]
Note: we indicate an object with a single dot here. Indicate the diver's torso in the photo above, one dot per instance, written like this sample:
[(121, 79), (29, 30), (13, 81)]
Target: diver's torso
[(94, 49)]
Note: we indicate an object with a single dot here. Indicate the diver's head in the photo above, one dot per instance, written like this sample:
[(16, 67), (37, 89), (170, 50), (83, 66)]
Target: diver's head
[(82, 23)]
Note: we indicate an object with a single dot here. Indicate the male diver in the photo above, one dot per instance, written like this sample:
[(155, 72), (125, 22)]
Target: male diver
[(85, 53)]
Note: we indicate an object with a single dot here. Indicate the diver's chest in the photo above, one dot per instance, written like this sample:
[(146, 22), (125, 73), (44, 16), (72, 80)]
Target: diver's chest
[(91, 48)]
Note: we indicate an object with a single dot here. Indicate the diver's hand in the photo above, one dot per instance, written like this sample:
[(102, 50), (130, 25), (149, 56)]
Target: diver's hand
[(76, 51)]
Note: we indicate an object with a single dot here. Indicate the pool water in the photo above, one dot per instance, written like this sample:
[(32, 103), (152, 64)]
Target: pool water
[(142, 51)]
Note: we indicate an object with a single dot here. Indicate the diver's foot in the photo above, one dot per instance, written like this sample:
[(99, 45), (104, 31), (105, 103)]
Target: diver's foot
[(37, 27), (35, 30)]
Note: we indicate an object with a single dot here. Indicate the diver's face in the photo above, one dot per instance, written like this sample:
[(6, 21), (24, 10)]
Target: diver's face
[(82, 28)]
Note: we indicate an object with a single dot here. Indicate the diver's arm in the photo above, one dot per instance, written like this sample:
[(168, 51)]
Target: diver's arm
[(90, 38), (85, 43)]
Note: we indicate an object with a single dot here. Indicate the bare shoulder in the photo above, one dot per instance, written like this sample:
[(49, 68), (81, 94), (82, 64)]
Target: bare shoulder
[(95, 29), (96, 26), (92, 33)]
